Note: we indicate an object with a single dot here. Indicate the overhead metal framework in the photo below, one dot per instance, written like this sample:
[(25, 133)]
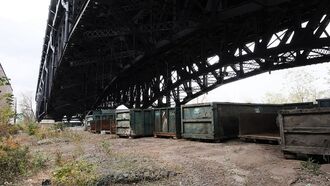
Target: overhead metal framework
[(142, 53)]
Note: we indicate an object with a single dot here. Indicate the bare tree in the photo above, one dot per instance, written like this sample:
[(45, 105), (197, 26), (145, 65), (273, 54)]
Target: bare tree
[(301, 88), (27, 109), (275, 98)]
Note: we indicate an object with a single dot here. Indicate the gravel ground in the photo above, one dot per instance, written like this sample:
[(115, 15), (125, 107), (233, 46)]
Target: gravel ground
[(158, 161)]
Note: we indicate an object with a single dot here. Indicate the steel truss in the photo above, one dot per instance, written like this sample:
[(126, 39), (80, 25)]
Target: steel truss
[(150, 53)]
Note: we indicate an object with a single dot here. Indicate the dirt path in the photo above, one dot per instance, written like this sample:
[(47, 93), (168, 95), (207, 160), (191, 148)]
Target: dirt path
[(196, 163)]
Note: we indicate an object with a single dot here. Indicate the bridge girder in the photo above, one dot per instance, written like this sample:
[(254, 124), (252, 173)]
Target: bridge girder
[(149, 53)]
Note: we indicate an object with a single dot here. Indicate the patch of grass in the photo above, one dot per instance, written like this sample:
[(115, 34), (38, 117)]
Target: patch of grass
[(106, 147), (39, 161), (59, 126), (79, 151), (58, 158), (72, 136), (46, 133), (75, 173), (311, 166)]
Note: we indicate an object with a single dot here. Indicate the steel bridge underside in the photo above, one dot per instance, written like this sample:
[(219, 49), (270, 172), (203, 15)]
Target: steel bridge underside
[(106, 53)]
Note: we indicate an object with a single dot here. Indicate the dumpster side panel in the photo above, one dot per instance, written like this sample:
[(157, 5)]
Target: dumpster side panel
[(197, 122), (148, 123), (137, 123), (171, 121), (157, 120), (166, 122), (306, 131), (123, 123)]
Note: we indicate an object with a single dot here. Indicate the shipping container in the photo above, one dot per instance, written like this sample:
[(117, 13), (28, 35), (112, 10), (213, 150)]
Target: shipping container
[(217, 121), (166, 123), (134, 123), (305, 131), (264, 126)]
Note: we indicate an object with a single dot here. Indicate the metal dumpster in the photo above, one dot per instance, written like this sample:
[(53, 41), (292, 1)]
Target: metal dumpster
[(323, 102), (102, 120), (134, 123), (217, 121), (166, 122), (263, 126), (108, 121), (305, 131)]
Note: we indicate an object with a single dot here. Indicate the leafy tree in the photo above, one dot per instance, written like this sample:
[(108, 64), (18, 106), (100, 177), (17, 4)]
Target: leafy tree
[(6, 111), (4, 81)]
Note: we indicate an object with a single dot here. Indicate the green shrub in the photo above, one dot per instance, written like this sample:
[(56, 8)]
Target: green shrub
[(13, 160), (75, 173), (32, 128), (14, 129), (6, 130)]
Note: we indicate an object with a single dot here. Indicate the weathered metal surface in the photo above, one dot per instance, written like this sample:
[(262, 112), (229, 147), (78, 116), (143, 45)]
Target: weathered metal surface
[(166, 122), (305, 131), (290, 106), (92, 126), (263, 126), (323, 102), (134, 122), (217, 121)]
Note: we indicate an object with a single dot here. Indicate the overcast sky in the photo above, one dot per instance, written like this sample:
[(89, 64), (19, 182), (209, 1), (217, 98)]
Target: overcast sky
[(22, 29)]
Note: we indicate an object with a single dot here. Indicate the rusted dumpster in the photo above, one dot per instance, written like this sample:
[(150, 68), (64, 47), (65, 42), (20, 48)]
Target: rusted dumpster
[(305, 131), (166, 123), (108, 121), (264, 126), (217, 121), (92, 124), (102, 120), (134, 123)]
